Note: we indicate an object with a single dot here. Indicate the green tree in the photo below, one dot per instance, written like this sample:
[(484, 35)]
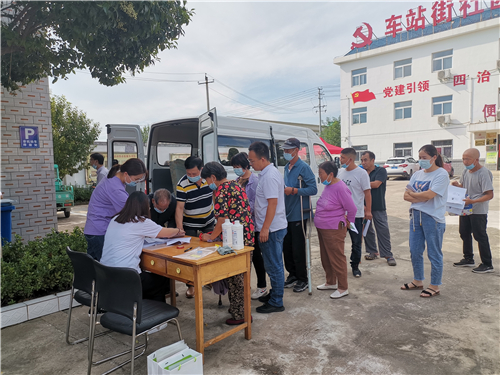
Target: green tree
[(73, 135), (53, 38), (145, 133), (331, 131)]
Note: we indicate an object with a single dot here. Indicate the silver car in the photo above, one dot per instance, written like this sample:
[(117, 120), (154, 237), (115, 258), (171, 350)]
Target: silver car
[(401, 166)]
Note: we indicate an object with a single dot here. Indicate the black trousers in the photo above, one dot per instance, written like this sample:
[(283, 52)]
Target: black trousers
[(294, 251), (258, 263), (154, 286), (475, 225)]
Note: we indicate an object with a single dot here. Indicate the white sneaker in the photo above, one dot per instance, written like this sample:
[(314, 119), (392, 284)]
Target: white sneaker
[(259, 292), (337, 294), (326, 287)]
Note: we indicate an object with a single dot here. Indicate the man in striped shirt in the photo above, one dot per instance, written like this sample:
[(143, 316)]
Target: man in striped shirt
[(194, 211)]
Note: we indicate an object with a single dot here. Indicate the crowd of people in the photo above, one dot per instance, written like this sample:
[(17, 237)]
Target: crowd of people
[(274, 211)]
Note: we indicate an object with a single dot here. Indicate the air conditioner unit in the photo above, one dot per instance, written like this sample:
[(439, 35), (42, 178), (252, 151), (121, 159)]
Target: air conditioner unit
[(444, 120), (498, 64), (444, 74)]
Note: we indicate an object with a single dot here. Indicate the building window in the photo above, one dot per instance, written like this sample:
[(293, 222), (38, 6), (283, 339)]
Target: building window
[(402, 68), (359, 115), (444, 147), (402, 110), (358, 77), (359, 151), (442, 60), (403, 149), (441, 105)]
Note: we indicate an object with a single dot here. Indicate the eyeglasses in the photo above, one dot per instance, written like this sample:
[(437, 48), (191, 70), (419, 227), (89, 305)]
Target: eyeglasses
[(141, 179)]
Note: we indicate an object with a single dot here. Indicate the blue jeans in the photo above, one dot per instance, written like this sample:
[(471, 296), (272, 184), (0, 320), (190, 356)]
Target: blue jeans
[(94, 246), (272, 253), (425, 229)]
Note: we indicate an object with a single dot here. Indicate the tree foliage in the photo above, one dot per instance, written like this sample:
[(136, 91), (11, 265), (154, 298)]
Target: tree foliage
[(145, 133), (331, 131), (73, 135), (53, 38)]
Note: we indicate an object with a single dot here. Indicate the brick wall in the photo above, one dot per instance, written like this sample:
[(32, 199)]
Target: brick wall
[(27, 175)]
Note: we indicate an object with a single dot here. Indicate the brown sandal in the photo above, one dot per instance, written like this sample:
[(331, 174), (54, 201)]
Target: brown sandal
[(427, 294), (414, 287)]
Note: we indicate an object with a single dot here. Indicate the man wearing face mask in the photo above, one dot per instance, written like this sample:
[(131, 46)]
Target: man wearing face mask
[(162, 208), (479, 184), (194, 211), (97, 161), (294, 245), (358, 182)]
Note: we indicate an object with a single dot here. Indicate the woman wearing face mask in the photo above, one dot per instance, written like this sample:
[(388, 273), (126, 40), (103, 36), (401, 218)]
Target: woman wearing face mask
[(331, 222), (427, 192), (230, 202), (108, 199), (247, 180)]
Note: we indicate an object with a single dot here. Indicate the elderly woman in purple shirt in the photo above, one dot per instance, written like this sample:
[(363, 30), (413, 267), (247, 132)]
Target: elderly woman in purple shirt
[(331, 222), (107, 200), (249, 181)]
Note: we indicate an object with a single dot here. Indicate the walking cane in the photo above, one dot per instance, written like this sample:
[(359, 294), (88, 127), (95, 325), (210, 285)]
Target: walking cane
[(306, 236)]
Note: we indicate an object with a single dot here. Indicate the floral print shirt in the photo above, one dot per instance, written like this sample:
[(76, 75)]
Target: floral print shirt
[(231, 201)]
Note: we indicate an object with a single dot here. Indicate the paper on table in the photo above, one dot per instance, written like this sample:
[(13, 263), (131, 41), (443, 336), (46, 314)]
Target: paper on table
[(367, 225), (149, 242), (353, 228), (197, 253)]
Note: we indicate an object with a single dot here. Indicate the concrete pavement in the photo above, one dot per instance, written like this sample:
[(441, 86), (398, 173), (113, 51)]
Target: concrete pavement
[(377, 329)]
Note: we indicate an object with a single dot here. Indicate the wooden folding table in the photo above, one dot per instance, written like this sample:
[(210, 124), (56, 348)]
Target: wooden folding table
[(160, 260)]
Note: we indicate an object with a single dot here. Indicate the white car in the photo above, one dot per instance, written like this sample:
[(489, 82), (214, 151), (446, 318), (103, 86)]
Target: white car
[(401, 166)]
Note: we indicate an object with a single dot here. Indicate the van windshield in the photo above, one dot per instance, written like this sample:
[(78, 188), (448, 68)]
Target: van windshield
[(168, 152), (230, 146)]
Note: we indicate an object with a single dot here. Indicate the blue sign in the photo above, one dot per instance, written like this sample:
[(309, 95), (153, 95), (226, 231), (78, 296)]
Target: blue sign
[(29, 137)]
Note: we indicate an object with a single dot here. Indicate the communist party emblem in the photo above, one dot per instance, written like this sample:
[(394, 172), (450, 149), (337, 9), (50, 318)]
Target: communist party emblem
[(366, 39)]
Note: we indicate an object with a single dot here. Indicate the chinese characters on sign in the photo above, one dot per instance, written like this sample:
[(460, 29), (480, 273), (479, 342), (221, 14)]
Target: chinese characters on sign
[(489, 110), (29, 137), (483, 76), (459, 80), (410, 89), (442, 11)]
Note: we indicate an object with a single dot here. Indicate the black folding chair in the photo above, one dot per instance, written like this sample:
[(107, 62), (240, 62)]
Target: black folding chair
[(83, 277), (119, 293)]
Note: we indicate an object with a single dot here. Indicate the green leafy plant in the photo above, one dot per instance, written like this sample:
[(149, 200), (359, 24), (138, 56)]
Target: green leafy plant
[(82, 193), (40, 267)]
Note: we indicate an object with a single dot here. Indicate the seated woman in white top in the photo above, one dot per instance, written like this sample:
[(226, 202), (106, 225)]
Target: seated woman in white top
[(124, 241)]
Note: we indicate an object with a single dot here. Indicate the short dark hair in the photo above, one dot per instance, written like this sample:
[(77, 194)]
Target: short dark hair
[(432, 151), (97, 157), (260, 149), (193, 161), (371, 155), (162, 194), (136, 209), (115, 161), (133, 167), (329, 167), (214, 168), (349, 151), (240, 159)]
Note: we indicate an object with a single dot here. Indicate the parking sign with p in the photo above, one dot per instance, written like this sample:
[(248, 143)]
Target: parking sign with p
[(29, 137)]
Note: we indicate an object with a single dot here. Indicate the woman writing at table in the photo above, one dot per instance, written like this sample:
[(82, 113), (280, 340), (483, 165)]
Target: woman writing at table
[(124, 240), (230, 202)]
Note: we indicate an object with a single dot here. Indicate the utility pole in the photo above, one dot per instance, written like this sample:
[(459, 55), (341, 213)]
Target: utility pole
[(206, 86), (320, 107)]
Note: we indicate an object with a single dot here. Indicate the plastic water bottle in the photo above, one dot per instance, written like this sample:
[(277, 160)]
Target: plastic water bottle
[(238, 236), (227, 233)]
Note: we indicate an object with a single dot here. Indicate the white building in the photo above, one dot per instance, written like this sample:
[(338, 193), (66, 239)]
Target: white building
[(430, 86)]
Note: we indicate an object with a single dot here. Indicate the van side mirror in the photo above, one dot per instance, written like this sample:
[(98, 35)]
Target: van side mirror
[(337, 161)]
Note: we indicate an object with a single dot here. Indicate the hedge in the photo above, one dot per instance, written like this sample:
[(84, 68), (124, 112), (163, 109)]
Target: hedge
[(83, 193), (40, 267)]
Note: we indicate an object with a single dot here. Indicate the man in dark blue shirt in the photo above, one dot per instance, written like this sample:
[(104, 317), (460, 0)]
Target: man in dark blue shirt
[(378, 181), (294, 245)]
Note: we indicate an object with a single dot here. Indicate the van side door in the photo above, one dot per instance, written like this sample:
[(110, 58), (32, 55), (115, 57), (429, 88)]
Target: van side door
[(207, 136), (125, 142)]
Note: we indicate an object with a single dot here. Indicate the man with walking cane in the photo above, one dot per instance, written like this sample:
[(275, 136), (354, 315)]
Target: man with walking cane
[(297, 193)]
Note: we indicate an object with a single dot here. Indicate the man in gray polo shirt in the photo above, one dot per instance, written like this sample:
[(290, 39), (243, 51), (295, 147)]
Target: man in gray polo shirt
[(97, 162), (479, 184), (270, 221)]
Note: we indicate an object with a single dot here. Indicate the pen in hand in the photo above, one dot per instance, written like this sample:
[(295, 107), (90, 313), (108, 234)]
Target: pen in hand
[(188, 249)]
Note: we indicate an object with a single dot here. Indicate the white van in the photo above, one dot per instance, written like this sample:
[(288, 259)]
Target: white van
[(212, 138)]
